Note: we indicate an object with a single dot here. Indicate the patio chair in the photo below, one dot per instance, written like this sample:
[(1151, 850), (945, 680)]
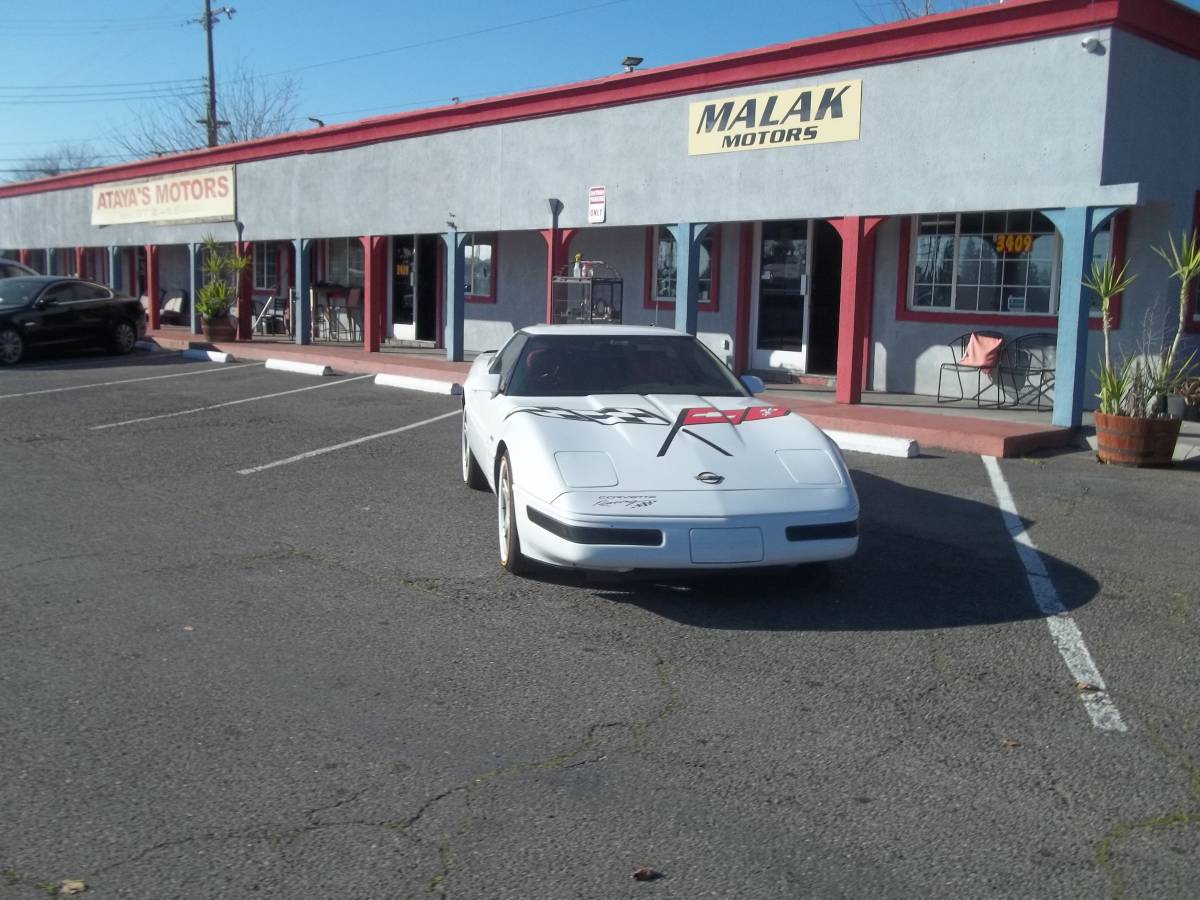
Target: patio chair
[(1029, 363), (353, 309), (271, 316), (173, 308), (978, 352)]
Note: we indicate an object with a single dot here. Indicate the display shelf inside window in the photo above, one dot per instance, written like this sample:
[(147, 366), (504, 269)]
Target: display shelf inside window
[(586, 292)]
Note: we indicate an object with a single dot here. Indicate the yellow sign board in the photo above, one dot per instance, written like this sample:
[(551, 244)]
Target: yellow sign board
[(817, 114), (207, 195)]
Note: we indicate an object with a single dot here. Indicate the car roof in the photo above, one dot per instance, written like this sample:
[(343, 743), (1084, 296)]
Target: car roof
[(631, 330)]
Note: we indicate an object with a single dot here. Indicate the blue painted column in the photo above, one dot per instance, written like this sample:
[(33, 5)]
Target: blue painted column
[(114, 268), (302, 312), (196, 279), (51, 259), (1077, 226), (456, 242), (688, 236)]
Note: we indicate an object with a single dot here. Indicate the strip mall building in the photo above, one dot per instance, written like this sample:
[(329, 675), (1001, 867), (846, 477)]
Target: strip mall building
[(841, 206)]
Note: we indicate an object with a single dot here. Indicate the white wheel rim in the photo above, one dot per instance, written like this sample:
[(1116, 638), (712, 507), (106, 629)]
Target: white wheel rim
[(502, 510), (10, 346), (465, 465)]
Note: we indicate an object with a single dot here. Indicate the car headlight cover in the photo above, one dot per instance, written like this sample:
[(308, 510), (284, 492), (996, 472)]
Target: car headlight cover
[(814, 467), (585, 468)]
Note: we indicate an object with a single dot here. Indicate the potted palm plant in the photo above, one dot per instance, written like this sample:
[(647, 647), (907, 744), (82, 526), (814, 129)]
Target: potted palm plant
[(222, 269), (1131, 426)]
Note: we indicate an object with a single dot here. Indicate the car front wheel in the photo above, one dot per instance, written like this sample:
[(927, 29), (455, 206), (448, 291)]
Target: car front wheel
[(12, 347), (506, 510), (472, 475), (122, 338)]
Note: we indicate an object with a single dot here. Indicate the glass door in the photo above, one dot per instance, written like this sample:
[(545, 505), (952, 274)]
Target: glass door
[(403, 287), (781, 308)]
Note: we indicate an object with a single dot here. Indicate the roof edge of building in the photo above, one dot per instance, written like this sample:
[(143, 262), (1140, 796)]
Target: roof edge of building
[(1162, 21)]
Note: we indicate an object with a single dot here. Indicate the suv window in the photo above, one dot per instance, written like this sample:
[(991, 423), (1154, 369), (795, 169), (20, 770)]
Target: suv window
[(58, 293), (84, 291)]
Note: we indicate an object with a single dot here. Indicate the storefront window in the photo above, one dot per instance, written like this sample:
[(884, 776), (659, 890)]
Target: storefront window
[(266, 267), (479, 267), (995, 262), (661, 262), (344, 262)]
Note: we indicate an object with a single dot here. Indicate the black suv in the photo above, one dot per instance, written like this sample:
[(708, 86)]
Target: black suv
[(42, 310)]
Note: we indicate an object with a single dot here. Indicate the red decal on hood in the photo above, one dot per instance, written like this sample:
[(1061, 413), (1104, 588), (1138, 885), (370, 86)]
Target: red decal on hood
[(755, 413), (710, 416)]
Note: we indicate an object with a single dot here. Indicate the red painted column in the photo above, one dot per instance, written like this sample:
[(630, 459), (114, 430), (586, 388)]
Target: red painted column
[(24, 257), (245, 292), (854, 319), (152, 285), (81, 259), (558, 245), (374, 291)]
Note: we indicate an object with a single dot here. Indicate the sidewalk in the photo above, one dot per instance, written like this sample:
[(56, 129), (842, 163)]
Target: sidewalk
[(962, 429)]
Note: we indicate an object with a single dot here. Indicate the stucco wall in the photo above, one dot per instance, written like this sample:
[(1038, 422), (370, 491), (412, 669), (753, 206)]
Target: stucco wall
[(933, 136)]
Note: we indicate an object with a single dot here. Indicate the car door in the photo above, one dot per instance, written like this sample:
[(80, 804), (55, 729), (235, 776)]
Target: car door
[(53, 319), (484, 414), (94, 311)]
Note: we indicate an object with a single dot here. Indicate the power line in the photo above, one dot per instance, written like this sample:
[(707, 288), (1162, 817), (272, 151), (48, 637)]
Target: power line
[(445, 39)]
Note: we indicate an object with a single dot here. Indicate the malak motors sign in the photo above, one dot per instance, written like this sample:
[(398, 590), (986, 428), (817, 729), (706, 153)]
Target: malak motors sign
[(820, 114), (206, 195)]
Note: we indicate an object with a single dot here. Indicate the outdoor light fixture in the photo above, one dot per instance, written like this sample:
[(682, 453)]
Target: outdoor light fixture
[(631, 62), (1092, 45), (316, 121)]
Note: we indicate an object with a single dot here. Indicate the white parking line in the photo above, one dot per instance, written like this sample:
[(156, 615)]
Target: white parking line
[(80, 387), (1066, 634), (342, 446), (199, 409)]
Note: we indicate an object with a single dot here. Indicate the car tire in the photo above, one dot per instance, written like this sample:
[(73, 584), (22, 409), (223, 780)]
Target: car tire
[(12, 347), (511, 557), (122, 338), (472, 474)]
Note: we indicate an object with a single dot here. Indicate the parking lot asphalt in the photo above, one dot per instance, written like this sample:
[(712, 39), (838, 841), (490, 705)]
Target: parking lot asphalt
[(315, 680)]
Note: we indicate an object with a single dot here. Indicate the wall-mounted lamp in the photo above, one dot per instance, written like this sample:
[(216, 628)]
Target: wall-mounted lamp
[(1092, 45), (631, 62)]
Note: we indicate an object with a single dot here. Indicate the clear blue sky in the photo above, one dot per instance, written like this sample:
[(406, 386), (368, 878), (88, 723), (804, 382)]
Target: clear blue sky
[(61, 49)]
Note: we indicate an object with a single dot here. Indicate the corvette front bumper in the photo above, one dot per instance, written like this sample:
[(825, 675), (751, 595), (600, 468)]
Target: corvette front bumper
[(616, 543)]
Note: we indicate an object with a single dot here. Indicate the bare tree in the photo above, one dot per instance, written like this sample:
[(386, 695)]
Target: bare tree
[(894, 10), (253, 106), (64, 158)]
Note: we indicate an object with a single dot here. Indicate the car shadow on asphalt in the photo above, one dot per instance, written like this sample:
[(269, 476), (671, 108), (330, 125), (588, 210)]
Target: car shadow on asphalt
[(926, 560)]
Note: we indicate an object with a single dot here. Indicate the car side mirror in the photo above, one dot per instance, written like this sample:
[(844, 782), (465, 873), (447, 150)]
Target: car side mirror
[(489, 382), (753, 384)]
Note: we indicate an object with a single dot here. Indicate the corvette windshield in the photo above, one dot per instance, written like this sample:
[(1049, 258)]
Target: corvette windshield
[(580, 364)]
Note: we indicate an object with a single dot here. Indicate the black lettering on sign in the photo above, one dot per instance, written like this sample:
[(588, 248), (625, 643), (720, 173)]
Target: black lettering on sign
[(710, 118), (832, 103)]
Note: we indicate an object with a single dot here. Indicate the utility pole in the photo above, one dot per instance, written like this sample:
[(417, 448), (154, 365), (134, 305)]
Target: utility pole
[(210, 121)]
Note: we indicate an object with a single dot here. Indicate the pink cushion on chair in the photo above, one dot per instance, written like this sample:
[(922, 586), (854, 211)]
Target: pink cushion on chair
[(982, 352)]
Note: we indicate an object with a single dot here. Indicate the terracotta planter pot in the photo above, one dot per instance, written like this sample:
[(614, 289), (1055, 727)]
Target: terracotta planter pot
[(1134, 441), (219, 329)]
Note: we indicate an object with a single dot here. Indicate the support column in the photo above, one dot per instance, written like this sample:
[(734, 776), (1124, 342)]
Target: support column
[(854, 310), (152, 286), (1077, 226), (374, 291), (51, 259), (25, 257), (302, 310), (688, 236), (81, 261), (455, 242), (245, 292), (558, 246), (114, 269), (195, 279)]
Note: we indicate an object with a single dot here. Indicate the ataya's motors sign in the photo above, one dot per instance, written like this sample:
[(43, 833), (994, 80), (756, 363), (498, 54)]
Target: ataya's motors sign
[(207, 195), (820, 114)]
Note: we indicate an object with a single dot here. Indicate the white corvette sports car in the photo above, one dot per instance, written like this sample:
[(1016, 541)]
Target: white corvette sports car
[(620, 448)]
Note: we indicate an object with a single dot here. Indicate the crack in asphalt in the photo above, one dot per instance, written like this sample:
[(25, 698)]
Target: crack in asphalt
[(1173, 819)]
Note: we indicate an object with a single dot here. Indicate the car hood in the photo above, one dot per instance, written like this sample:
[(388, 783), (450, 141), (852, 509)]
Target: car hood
[(664, 442)]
